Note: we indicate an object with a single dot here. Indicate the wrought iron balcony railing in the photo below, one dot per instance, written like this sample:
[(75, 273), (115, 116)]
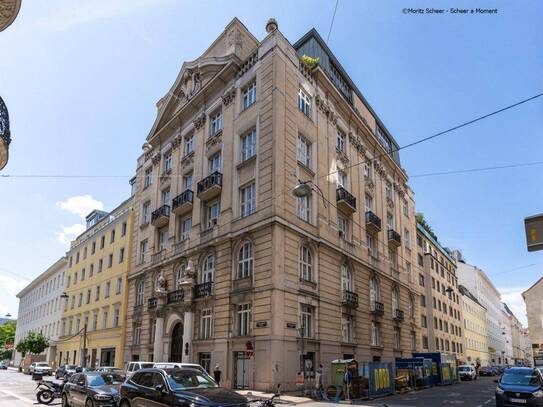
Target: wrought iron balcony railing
[(378, 308), (161, 216), (349, 298), (182, 203), (345, 200), (398, 315), (373, 222), (210, 186), (203, 289), (394, 238), (152, 303), (175, 296)]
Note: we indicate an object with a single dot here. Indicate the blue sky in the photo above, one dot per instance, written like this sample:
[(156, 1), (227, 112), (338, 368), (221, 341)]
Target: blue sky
[(81, 80)]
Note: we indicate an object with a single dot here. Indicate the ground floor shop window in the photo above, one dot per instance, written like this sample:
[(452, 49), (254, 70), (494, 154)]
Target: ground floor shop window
[(204, 359)]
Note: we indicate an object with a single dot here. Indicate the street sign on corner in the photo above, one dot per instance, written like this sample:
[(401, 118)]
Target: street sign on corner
[(534, 232)]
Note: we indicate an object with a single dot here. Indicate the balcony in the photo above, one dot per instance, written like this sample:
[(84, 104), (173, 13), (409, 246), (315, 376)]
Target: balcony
[(180, 247), (203, 290), (398, 315), (373, 222), (349, 299), (394, 238), (158, 256), (182, 203), (345, 201), (161, 216), (175, 297), (209, 187), (378, 308), (152, 303)]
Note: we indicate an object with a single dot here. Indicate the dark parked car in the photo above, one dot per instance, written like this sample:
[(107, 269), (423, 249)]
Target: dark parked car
[(520, 386), (487, 371), (65, 371), (176, 387), (92, 389)]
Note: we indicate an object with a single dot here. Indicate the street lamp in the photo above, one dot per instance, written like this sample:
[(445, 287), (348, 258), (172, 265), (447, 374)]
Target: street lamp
[(305, 188), (8, 315)]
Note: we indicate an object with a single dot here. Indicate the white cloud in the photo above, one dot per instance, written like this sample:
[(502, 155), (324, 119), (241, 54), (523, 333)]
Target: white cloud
[(81, 205), (74, 13), (513, 298), (69, 233), (11, 285)]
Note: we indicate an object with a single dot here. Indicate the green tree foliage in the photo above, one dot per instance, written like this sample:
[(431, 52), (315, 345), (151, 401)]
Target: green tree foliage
[(7, 333), (34, 343), (425, 225)]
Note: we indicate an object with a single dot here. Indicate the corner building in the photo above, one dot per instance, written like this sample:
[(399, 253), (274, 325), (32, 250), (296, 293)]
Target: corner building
[(227, 258)]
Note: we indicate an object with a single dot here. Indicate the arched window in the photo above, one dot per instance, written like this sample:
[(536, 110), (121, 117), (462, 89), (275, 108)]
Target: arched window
[(411, 306), (140, 291), (347, 278), (306, 264), (245, 261), (374, 292), (208, 269), (395, 300), (179, 274)]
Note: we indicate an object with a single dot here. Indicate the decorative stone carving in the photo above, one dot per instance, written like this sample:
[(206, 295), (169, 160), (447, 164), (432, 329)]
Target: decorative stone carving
[(160, 285), (190, 84), (199, 121), (342, 156), (187, 161), (370, 184), (156, 159), (177, 141), (390, 202), (228, 96), (214, 140), (356, 142)]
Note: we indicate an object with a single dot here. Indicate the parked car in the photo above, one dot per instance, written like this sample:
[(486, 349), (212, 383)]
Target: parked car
[(520, 386), (132, 367), (487, 371), (40, 367), (3, 366), (92, 389), (467, 372), (172, 365), (65, 371), (176, 387)]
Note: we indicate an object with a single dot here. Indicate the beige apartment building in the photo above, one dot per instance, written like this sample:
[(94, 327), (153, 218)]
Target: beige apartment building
[(227, 260), (441, 310), (475, 332), (533, 298)]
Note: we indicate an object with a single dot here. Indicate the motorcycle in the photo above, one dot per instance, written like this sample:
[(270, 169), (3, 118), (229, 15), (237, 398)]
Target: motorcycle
[(48, 391)]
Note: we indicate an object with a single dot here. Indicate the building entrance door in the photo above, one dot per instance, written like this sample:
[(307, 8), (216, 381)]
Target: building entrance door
[(241, 370), (176, 351), (107, 357)]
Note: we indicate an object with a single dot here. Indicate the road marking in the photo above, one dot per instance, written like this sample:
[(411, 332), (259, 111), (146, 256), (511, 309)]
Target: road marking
[(488, 401), (10, 393)]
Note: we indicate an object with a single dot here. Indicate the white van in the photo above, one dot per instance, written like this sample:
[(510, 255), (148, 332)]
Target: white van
[(133, 367), (467, 372)]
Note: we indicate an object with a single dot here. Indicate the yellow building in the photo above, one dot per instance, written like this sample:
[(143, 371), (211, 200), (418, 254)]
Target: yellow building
[(96, 294), (475, 331)]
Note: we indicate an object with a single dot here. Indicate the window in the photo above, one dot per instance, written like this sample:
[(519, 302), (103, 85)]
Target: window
[(167, 163), (112, 236), (97, 293), (407, 238), (140, 290), (208, 269), (341, 178), (144, 246), (395, 301), (368, 173), (91, 270), (304, 207), (214, 163), (88, 296), (347, 328), (244, 319), (343, 226), (206, 323), (304, 103), (146, 213), (249, 95), (77, 258), (423, 321), (80, 300), (304, 151), (121, 254), (397, 338), (116, 317), (186, 226), (390, 221), (137, 333), (341, 141), (388, 191), (248, 200), (110, 260), (163, 238), (307, 320), (413, 341), (84, 253), (421, 280), (119, 285), (187, 182), (347, 278), (75, 278), (95, 321), (216, 123), (107, 289), (423, 301), (93, 247), (306, 264), (245, 261), (408, 271), (375, 294), (105, 316), (213, 210), (420, 260), (405, 209), (411, 306), (148, 177), (368, 203), (83, 272), (370, 241), (375, 334), (248, 145), (188, 147), (165, 196)]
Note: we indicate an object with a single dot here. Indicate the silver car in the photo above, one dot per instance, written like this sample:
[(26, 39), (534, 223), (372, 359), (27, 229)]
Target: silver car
[(40, 367)]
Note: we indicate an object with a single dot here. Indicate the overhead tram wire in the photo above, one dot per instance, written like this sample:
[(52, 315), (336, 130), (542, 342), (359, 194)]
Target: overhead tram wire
[(332, 22), (471, 170)]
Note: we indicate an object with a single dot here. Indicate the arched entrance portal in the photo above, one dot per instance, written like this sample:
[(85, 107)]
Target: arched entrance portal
[(176, 352)]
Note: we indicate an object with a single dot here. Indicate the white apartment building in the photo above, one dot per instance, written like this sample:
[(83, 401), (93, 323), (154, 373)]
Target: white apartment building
[(507, 332), (40, 307), (478, 283)]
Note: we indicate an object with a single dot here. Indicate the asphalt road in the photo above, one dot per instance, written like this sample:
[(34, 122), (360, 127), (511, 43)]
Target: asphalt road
[(18, 390)]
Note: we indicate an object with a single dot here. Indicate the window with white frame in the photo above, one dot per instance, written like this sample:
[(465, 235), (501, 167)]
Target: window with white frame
[(390, 221), (368, 173), (163, 238), (368, 203), (393, 258), (304, 151), (347, 328), (304, 207), (137, 334), (216, 123), (208, 269), (388, 190), (243, 319), (347, 278), (343, 226), (146, 212), (97, 294), (341, 179), (165, 196), (307, 320), (179, 274), (245, 260), (214, 163), (119, 285), (375, 334), (187, 182), (411, 306), (206, 323), (248, 199), (148, 178), (304, 103), (140, 291), (249, 95), (248, 145), (370, 241), (188, 147), (375, 294), (407, 238), (306, 264), (395, 300), (405, 209), (413, 341), (186, 226), (144, 246), (107, 289), (116, 316), (105, 318), (212, 213), (341, 143), (167, 163), (397, 338)]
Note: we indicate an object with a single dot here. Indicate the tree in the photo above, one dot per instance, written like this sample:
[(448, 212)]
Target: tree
[(34, 343), (7, 333), (425, 225)]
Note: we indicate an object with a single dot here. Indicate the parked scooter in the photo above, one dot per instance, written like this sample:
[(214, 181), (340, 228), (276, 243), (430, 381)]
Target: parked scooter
[(48, 391)]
